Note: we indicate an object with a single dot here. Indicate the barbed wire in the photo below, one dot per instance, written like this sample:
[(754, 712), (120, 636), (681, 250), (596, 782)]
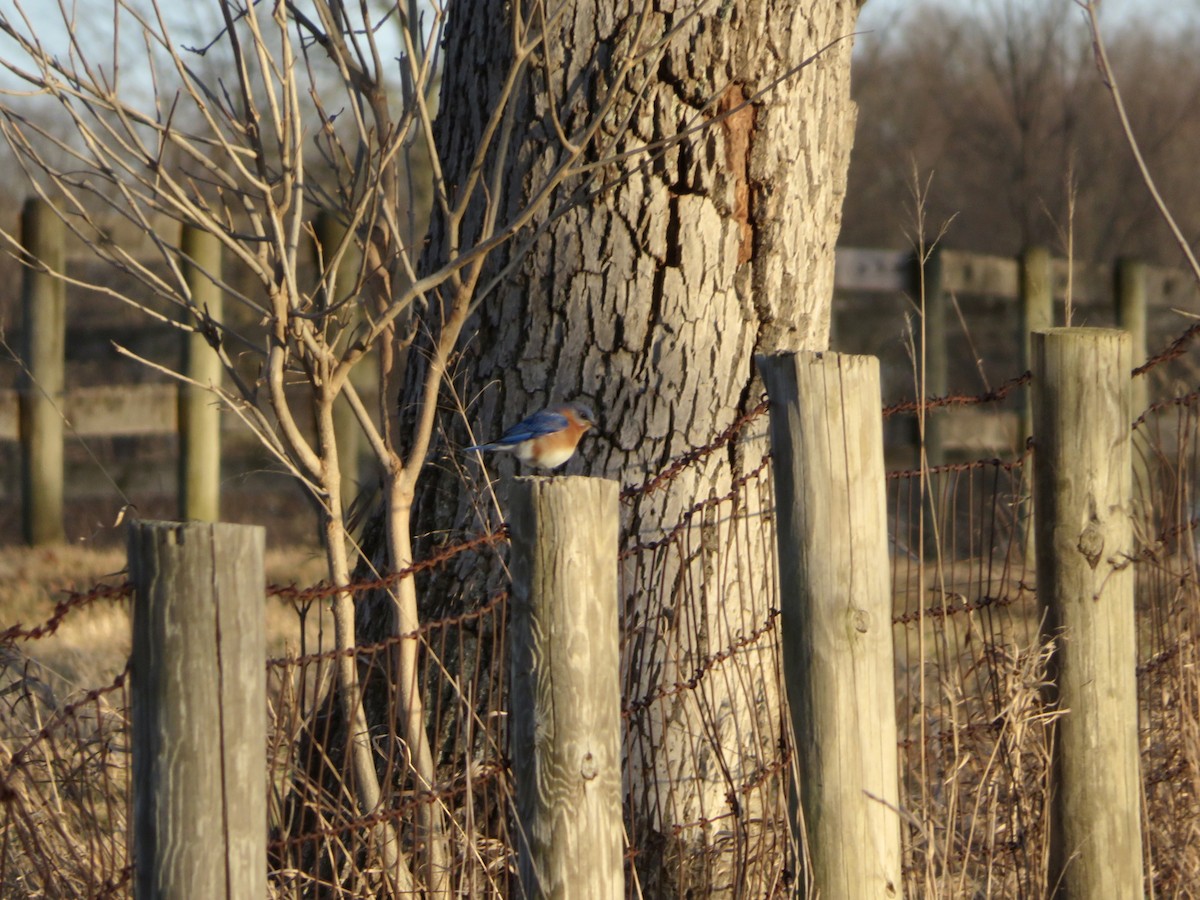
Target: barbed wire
[(951, 734), (1184, 400), (1005, 465), (73, 601), (701, 669), (685, 518), (1166, 655), (695, 455), (65, 713), (992, 396), (446, 622), (481, 774), (776, 767), (444, 554), (1173, 350), (964, 606)]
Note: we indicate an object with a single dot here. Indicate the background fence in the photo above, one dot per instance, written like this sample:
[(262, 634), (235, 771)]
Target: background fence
[(125, 437), (973, 726)]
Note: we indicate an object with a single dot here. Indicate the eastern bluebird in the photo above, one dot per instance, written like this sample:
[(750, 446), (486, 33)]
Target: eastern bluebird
[(547, 438)]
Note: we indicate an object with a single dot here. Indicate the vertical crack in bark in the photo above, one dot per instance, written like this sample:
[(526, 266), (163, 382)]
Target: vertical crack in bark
[(738, 129)]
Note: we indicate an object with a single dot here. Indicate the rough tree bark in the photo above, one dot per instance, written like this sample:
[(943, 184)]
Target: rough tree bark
[(649, 300)]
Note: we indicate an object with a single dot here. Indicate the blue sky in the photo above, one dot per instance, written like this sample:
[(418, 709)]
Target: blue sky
[(1167, 13)]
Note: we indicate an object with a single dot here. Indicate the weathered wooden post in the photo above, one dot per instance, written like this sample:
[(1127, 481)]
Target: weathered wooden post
[(565, 717), (1037, 314), (44, 304), (198, 710), (199, 412), (1085, 579), (1130, 291), (836, 615), (330, 232)]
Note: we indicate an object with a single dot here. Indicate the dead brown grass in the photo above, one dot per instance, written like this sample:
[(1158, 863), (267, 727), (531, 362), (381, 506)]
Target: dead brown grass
[(92, 644)]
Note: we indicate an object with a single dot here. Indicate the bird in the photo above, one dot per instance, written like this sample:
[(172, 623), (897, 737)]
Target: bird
[(547, 438)]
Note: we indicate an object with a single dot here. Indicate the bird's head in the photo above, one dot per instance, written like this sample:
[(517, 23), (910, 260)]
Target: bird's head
[(581, 413)]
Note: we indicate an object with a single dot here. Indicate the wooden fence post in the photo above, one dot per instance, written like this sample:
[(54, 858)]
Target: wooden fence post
[(565, 717), (199, 412), (1037, 314), (43, 299), (836, 616), (331, 231), (198, 699), (1130, 290), (1082, 479)]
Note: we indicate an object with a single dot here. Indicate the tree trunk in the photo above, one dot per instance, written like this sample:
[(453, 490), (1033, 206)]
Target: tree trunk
[(648, 301)]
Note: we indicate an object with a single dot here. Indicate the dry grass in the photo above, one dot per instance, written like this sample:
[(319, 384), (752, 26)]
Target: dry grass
[(92, 644), (974, 729)]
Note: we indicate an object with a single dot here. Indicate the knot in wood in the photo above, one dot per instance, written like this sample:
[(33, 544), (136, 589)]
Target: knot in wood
[(862, 621), (588, 767), (1091, 543)]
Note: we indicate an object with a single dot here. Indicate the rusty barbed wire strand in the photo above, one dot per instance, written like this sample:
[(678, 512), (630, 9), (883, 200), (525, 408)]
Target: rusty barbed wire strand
[(67, 712), (482, 774), (496, 600), (1167, 773), (76, 600), (73, 601), (1005, 465), (949, 734), (1184, 400), (963, 606), (1164, 656), (993, 396), (696, 454), (702, 668), (1172, 351), (444, 554), (778, 765), (685, 518)]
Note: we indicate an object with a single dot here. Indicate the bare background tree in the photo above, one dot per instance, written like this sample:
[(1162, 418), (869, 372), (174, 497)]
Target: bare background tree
[(1002, 103)]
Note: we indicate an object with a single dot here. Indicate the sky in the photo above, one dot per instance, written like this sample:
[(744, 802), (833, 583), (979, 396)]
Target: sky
[(879, 14)]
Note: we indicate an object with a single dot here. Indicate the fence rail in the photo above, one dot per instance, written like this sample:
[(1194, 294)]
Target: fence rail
[(1133, 292)]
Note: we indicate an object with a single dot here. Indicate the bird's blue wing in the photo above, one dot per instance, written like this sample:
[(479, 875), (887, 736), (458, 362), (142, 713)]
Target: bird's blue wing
[(538, 425)]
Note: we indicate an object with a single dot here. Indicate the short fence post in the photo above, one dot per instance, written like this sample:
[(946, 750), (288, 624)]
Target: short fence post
[(1037, 314), (1082, 480), (198, 710), (199, 412), (836, 615), (43, 298), (565, 716), (1130, 289)]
